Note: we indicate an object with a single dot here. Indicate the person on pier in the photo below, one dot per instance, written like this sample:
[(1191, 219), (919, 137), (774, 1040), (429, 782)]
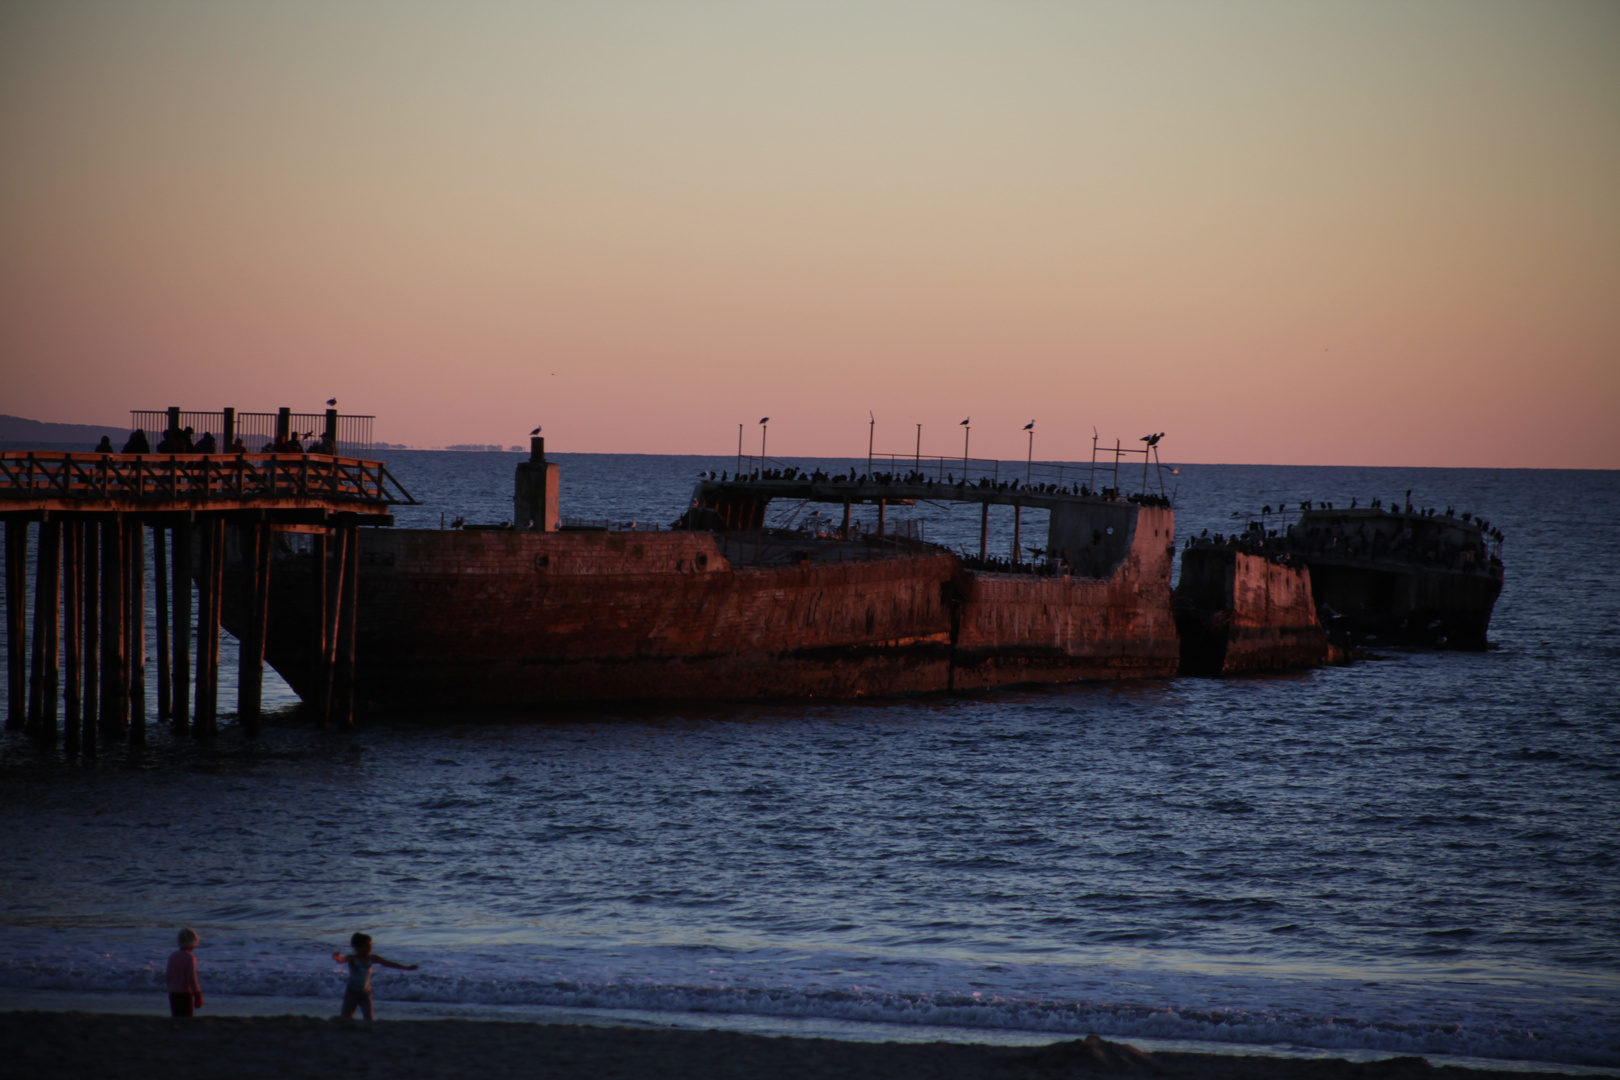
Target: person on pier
[(137, 443)]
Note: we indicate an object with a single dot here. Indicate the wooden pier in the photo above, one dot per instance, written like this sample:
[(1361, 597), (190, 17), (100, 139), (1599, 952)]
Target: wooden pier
[(81, 674)]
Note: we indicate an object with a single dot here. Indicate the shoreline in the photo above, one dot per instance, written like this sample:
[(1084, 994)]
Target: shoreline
[(129, 1035)]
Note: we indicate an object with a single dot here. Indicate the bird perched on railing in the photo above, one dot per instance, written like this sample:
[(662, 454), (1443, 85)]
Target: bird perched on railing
[(1152, 440), (965, 422), (536, 430), (331, 403), (1030, 427)]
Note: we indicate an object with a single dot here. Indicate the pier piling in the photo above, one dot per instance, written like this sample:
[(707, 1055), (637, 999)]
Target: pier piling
[(210, 568), (90, 558), (160, 624), (49, 593), (180, 614), (72, 579), (349, 604), (114, 684), (329, 633), (36, 656), (257, 549), (136, 614), (319, 637), (16, 622)]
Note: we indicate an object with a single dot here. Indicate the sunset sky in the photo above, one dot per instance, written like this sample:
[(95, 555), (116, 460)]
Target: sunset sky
[(1326, 233)]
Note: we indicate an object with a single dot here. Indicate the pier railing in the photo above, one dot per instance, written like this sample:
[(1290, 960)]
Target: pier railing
[(259, 429), (67, 480)]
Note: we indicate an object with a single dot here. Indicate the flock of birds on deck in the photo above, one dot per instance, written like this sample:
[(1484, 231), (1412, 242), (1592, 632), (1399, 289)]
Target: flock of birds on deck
[(1395, 507), (817, 476)]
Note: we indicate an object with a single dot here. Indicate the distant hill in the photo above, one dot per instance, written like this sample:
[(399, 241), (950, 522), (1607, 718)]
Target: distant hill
[(17, 433)]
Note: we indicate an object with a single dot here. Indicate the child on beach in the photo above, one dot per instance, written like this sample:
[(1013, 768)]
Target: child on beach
[(185, 992), (358, 991)]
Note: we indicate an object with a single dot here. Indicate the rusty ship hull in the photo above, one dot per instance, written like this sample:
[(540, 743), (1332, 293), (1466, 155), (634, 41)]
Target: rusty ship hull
[(507, 619)]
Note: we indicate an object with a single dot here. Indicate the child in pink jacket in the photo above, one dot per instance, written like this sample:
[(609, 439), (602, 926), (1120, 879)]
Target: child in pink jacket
[(185, 992)]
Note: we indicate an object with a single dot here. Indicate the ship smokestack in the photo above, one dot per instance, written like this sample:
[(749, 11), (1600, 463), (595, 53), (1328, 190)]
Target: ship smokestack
[(534, 491)]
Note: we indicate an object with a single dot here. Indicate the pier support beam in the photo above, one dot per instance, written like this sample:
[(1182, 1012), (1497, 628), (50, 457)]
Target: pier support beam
[(72, 580), (136, 614), (36, 653), (1018, 533), (257, 545), (48, 626), (160, 625), (180, 613), (349, 604), (211, 569), (90, 556), (114, 680), (319, 637), (329, 632), (16, 623), (984, 530)]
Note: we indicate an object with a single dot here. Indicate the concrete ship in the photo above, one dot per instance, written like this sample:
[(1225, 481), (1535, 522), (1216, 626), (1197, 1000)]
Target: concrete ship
[(721, 607), (1241, 611), (1401, 576)]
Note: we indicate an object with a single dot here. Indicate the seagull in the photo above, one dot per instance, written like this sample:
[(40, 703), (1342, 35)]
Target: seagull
[(1152, 440), (536, 430), (331, 403), (764, 419), (1030, 427), (965, 422)]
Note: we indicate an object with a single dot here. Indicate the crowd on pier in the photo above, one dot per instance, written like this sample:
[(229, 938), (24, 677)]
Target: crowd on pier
[(186, 441)]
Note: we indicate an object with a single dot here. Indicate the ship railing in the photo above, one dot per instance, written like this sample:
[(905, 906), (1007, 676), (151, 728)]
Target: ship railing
[(945, 469), (607, 525), (152, 479)]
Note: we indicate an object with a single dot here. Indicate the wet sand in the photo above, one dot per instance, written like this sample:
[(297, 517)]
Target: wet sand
[(74, 1044)]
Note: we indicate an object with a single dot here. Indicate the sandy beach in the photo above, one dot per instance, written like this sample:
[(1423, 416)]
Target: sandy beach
[(71, 1044)]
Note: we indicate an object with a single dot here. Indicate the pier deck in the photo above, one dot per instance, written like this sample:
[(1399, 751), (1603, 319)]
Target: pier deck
[(90, 512)]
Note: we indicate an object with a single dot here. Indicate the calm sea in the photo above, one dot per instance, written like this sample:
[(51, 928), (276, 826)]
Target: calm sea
[(1415, 854)]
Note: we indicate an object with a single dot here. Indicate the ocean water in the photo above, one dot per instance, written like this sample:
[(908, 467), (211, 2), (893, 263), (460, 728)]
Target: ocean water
[(1413, 854)]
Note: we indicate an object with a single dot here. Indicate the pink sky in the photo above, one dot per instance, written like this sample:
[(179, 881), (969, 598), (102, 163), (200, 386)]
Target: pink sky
[(1361, 233)]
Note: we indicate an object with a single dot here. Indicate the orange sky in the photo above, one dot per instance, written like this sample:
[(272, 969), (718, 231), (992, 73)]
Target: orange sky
[(1360, 233)]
